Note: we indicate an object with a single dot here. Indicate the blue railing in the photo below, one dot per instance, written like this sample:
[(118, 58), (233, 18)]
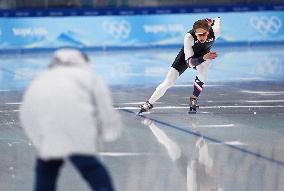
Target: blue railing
[(40, 12)]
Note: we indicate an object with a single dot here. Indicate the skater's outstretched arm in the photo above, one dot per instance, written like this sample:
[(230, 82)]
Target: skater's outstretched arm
[(216, 26)]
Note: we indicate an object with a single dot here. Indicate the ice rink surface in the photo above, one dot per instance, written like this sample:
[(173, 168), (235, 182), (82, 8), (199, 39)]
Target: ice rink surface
[(234, 142)]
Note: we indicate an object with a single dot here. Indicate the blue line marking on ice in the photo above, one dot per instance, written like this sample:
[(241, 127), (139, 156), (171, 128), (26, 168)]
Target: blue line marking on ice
[(278, 162)]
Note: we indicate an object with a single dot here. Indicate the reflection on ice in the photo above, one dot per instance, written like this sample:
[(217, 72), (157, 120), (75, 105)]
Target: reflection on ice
[(198, 169), (150, 66)]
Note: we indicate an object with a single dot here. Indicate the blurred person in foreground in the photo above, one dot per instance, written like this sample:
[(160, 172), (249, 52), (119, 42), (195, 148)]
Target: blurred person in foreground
[(66, 112), (196, 54)]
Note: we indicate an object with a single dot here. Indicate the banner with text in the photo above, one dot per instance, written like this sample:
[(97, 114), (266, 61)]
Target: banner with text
[(135, 31)]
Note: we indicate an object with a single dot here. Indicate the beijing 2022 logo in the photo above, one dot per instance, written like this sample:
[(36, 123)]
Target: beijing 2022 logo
[(117, 29), (266, 25)]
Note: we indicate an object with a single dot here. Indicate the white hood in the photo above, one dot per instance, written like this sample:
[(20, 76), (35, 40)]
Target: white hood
[(69, 57)]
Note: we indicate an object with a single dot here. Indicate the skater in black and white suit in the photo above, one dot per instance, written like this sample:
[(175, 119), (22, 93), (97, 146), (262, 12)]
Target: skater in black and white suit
[(196, 53)]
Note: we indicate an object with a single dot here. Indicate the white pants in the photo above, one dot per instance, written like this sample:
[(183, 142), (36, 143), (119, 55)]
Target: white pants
[(173, 75)]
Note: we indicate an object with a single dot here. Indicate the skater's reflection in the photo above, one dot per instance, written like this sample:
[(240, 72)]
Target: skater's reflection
[(197, 169)]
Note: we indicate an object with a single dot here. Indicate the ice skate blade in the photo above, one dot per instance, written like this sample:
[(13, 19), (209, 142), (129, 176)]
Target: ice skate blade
[(142, 113), (139, 113), (191, 112)]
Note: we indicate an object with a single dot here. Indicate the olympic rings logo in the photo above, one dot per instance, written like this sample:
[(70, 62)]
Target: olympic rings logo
[(117, 29), (266, 25)]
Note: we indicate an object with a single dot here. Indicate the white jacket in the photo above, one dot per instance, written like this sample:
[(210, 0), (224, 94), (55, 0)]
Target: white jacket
[(67, 110)]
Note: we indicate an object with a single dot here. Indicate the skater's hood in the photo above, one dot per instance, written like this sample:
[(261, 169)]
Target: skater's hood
[(69, 57)]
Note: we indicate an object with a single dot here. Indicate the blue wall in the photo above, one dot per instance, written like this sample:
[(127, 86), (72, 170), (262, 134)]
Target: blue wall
[(136, 31)]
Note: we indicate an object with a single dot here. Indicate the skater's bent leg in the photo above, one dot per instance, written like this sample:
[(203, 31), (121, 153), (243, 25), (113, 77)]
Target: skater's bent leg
[(171, 78), (200, 78), (202, 70), (93, 172), (46, 174)]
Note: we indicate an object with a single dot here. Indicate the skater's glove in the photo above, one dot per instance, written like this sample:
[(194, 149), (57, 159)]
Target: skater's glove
[(210, 56)]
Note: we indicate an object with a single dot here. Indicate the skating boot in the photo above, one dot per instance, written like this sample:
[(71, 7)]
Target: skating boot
[(193, 105), (145, 107)]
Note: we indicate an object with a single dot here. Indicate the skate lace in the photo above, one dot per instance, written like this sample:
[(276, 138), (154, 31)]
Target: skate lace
[(146, 105)]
